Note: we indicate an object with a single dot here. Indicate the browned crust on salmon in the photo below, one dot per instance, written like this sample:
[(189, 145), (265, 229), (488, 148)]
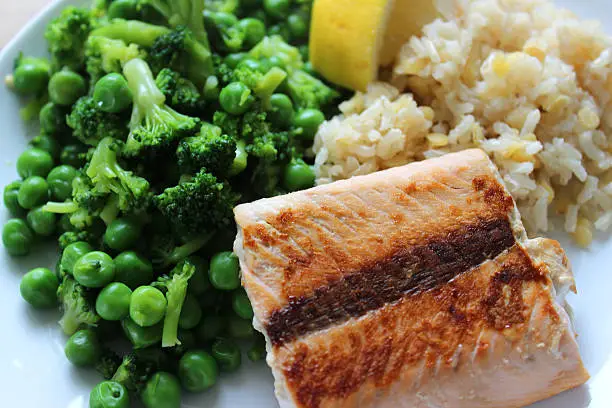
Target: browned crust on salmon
[(409, 272), (313, 238), (509, 297)]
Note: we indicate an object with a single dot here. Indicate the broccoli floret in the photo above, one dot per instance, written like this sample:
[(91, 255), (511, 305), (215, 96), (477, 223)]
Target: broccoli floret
[(307, 91), (108, 177), (86, 197), (229, 124), (186, 13), (180, 51), (107, 364), (263, 85), (275, 46), (71, 237), (134, 372), (211, 149), (90, 124), (186, 203), (66, 36), (154, 127), (77, 310), (175, 287), (181, 94), (106, 55)]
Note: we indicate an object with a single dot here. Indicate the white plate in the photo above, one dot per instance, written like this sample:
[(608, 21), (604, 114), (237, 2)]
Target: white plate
[(34, 372)]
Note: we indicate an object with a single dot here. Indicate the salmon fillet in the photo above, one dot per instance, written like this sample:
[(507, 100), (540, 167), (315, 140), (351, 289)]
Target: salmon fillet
[(412, 287)]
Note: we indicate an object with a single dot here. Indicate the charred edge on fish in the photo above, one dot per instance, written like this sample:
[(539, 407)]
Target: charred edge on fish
[(410, 271)]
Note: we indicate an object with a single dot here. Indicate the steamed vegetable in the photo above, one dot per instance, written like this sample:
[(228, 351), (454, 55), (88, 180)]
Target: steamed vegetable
[(157, 117)]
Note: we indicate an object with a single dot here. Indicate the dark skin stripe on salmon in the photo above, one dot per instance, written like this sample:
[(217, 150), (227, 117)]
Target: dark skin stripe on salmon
[(410, 271)]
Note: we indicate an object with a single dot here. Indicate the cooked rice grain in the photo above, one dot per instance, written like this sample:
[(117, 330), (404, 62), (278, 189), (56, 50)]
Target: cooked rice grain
[(527, 82)]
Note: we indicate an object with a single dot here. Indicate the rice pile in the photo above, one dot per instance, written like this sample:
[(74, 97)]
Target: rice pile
[(525, 81)]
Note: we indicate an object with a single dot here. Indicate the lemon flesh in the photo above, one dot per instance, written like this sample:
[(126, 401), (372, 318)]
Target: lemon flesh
[(350, 40)]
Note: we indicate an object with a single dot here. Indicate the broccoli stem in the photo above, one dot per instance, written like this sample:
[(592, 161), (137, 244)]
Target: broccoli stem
[(193, 246), (142, 84), (268, 84), (132, 31), (110, 210), (175, 295), (67, 207)]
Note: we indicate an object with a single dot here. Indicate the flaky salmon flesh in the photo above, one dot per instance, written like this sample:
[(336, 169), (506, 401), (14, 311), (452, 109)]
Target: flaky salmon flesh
[(413, 287)]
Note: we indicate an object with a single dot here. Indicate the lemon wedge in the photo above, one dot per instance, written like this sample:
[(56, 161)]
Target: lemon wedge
[(350, 40)]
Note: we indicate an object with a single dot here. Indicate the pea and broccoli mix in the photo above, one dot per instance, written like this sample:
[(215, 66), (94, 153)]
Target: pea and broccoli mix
[(156, 118)]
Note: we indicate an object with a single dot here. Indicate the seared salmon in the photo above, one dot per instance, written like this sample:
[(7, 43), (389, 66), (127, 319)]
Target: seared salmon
[(412, 287)]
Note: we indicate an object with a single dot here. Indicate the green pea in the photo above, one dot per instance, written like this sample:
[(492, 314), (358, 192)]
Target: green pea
[(147, 306), (34, 162), (250, 4), (113, 302), (31, 76), (46, 143), (309, 120), (257, 351), (64, 224), (122, 234), (304, 52), (281, 110), (221, 18), (252, 65), (240, 161), (33, 192), (73, 155), (307, 67), (11, 202), (41, 222), (134, 270), (298, 27), (227, 354), (276, 61), (199, 283), (232, 60), (94, 269), (281, 30), (83, 348), (254, 31), (124, 9), (39, 287), (65, 87), (52, 119), (109, 394), (241, 304), (17, 237), (224, 271), (239, 328), (187, 338), (236, 98), (211, 88), (211, 299), (60, 181), (197, 371), (278, 9), (298, 176), (72, 254), (210, 327), (112, 93), (162, 390), (191, 313), (142, 337)]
